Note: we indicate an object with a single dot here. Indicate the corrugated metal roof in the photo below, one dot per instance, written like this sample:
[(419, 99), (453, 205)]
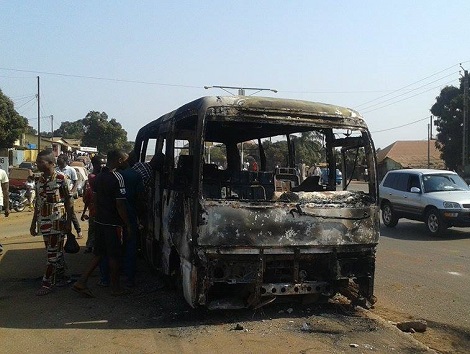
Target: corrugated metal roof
[(412, 154)]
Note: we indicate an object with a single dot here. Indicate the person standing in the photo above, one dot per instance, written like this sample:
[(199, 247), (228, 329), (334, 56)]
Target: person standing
[(51, 218), (110, 220), (4, 196), (30, 192), (135, 206), (89, 201), (70, 172), (146, 170)]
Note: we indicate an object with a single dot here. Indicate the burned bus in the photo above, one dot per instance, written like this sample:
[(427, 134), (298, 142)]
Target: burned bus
[(238, 214)]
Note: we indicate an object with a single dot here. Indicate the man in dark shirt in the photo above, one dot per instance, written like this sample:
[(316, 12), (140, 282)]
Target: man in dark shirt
[(111, 219), (135, 206)]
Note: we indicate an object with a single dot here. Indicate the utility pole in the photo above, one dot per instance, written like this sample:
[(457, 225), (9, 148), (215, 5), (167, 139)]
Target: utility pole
[(39, 121), (52, 131), (429, 141), (465, 166)]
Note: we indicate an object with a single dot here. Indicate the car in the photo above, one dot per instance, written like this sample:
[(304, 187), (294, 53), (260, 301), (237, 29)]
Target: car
[(324, 176), (28, 164), (439, 198)]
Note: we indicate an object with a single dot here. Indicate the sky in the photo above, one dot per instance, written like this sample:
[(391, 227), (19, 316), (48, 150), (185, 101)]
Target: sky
[(137, 60)]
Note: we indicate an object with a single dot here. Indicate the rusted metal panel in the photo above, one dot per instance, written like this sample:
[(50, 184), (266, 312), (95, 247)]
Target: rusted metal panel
[(316, 219)]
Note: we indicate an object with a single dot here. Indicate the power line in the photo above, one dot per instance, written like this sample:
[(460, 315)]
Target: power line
[(407, 92), (102, 78), (36, 118), (18, 98), (407, 98), (335, 92), (198, 87), (25, 103), (409, 85), (400, 126), (16, 77)]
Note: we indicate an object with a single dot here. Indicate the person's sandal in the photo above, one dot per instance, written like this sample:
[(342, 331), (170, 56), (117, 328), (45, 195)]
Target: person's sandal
[(120, 292), (44, 290), (62, 282), (103, 284), (82, 291)]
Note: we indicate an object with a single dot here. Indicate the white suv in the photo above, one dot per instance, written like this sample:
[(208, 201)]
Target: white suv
[(439, 198)]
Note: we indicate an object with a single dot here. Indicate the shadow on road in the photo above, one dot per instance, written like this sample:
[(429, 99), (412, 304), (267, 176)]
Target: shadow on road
[(415, 231), (147, 306)]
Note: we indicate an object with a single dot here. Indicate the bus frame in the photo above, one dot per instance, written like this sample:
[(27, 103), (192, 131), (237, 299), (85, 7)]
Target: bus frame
[(235, 238)]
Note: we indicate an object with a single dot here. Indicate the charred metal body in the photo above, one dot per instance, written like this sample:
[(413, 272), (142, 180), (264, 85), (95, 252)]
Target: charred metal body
[(237, 233)]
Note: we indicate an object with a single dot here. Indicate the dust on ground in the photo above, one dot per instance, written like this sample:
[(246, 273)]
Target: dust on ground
[(152, 319)]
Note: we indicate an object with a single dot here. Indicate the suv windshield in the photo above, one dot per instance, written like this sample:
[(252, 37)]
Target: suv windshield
[(443, 182)]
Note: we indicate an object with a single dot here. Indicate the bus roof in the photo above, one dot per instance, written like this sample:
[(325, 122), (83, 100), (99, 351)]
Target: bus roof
[(279, 108)]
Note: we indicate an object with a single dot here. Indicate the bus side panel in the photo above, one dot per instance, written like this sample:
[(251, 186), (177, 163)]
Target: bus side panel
[(176, 231)]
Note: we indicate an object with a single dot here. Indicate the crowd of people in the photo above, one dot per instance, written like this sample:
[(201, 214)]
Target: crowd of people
[(114, 199)]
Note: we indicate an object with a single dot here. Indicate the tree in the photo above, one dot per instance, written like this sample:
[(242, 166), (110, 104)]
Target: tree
[(448, 111), (12, 125), (71, 130), (30, 130), (105, 134), (276, 154), (309, 148), (217, 154)]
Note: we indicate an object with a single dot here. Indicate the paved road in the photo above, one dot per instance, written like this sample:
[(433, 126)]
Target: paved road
[(152, 320), (426, 277)]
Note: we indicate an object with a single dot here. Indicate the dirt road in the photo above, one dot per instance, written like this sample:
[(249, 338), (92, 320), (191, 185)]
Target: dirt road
[(154, 320)]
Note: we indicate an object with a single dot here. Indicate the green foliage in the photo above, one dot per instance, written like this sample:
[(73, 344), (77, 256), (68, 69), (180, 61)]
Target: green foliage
[(71, 130), (12, 125), (96, 130), (448, 111), (250, 148), (353, 159), (217, 154), (308, 148), (103, 133), (276, 154), (30, 130)]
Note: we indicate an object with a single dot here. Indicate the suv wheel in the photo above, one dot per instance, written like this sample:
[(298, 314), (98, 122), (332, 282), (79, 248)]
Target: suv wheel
[(434, 223), (388, 215)]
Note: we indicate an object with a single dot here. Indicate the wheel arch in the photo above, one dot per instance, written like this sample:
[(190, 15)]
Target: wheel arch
[(384, 201), (426, 210)]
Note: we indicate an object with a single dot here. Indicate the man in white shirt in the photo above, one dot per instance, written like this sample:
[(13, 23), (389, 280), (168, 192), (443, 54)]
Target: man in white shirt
[(315, 171), (4, 197), (71, 174)]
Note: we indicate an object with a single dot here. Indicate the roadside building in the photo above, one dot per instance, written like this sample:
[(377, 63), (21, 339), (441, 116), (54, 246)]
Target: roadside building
[(408, 154)]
